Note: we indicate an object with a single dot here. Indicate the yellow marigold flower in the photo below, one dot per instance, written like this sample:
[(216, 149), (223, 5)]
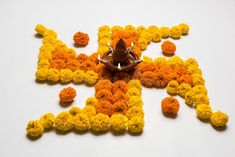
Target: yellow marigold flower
[(91, 77), (40, 29), (160, 61), (200, 89), (47, 120), (59, 46), (34, 128), (175, 32), (134, 101), (103, 42), (104, 35), (102, 50), (41, 74), (152, 29), (50, 33), (136, 84), (53, 75), (45, 53), (140, 29), (49, 40), (142, 43), (46, 47), (165, 31), (64, 121), (194, 70), (146, 35), (78, 76), (189, 98), (156, 36), (147, 59), (100, 122), (72, 51), (104, 28), (204, 111), (74, 110), (198, 80), (183, 89), (190, 62), (201, 99), (176, 60), (133, 91), (91, 101), (135, 111), (66, 75), (184, 28), (89, 111), (116, 28), (129, 28), (136, 125), (43, 63), (172, 87), (81, 122), (118, 122), (219, 119)]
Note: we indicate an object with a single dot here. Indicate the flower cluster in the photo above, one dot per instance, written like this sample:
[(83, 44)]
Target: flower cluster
[(170, 106), (168, 48), (81, 39), (67, 95)]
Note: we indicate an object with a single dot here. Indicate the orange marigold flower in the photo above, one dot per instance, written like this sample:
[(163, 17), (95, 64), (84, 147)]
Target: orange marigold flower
[(137, 51), (168, 48), (148, 78), (161, 80), (104, 107), (103, 84), (120, 85), (121, 76), (99, 67), (119, 96), (61, 55), (120, 107), (72, 64), (180, 70), (170, 106), (81, 39), (87, 65), (105, 74), (185, 79), (93, 57), (144, 66), (67, 95), (104, 94), (117, 34), (82, 57), (58, 64)]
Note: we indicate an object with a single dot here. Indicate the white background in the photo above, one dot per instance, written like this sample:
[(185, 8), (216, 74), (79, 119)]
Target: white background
[(211, 41)]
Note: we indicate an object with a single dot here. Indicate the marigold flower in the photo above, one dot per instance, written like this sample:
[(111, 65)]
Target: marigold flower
[(175, 32), (72, 52), (172, 87), (91, 101), (140, 29), (189, 97), (201, 99), (219, 119), (94, 58), (165, 31), (66, 75), (81, 39), (91, 77), (103, 42), (146, 35), (81, 122), (103, 84), (148, 78), (203, 111), (194, 70), (78, 76), (82, 57), (170, 106), (184, 28), (120, 107), (119, 96), (183, 89), (134, 101), (200, 89), (104, 107), (156, 36), (160, 61), (116, 28), (102, 50), (74, 110), (190, 62), (135, 83), (185, 79), (43, 63), (129, 28), (100, 122), (142, 43), (104, 94), (119, 122), (104, 28), (64, 122), (135, 111), (120, 85), (147, 59), (176, 61), (168, 48), (198, 80), (40, 29), (58, 64), (72, 64), (50, 33), (136, 125), (34, 128), (45, 55), (160, 80), (133, 91), (152, 29), (89, 111), (67, 95), (87, 65), (47, 120), (49, 40), (53, 75), (41, 74)]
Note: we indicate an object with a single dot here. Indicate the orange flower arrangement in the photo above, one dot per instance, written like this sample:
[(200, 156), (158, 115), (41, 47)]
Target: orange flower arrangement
[(120, 107), (142, 67), (87, 65), (170, 106), (120, 85), (148, 78), (81, 39), (168, 48), (104, 94), (58, 64), (103, 84), (161, 80), (119, 96), (104, 107), (72, 64), (67, 95)]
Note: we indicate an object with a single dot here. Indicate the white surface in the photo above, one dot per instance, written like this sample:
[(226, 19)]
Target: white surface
[(211, 41)]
